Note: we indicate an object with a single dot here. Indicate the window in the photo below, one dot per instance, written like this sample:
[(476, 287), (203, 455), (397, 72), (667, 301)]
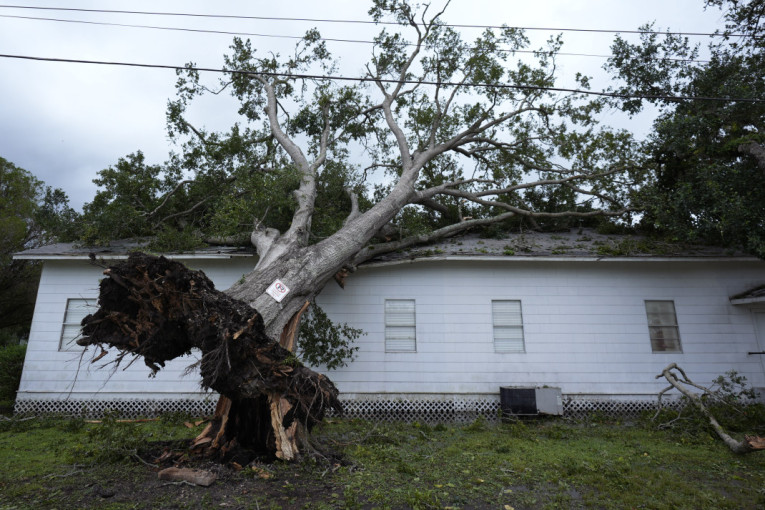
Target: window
[(662, 326), (76, 310), (400, 325), (508, 326)]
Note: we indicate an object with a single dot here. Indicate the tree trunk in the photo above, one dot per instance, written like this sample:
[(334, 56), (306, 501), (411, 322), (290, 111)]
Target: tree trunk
[(158, 309)]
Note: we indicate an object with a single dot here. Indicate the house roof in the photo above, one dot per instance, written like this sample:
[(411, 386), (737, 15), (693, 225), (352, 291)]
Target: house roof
[(575, 244), (121, 249)]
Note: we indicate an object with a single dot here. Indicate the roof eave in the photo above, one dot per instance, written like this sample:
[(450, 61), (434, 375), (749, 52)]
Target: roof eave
[(124, 256), (756, 301), (553, 258)]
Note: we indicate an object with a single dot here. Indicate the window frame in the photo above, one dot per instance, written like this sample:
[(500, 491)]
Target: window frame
[(516, 326), (657, 326), (390, 328), (67, 343)]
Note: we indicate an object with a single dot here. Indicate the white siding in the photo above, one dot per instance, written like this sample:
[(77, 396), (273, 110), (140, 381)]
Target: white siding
[(53, 374), (584, 324)]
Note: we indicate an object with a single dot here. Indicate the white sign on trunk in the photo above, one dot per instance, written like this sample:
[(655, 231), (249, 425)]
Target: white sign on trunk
[(277, 290)]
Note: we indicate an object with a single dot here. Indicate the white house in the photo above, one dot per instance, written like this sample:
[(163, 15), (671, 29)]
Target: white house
[(596, 316)]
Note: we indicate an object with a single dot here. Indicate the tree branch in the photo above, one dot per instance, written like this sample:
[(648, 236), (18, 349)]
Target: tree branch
[(281, 137), (199, 134), (167, 197), (297, 235), (432, 204), (757, 151), (183, 213), (398, 133), (749, 444), (445, 187), (478, 127), (355, 212), (373, 251), (535, 214)]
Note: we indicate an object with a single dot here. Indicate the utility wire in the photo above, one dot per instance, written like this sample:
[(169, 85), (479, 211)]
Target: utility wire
[(353, 21), (385, 80), (293, 37), (199, 30)]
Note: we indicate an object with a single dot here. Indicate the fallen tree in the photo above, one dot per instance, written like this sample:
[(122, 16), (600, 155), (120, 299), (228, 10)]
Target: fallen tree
[(458, 135), (453, 135), (678, 380), (159, 310)]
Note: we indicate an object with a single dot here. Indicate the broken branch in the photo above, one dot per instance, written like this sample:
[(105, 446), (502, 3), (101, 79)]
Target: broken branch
[(749, 443)]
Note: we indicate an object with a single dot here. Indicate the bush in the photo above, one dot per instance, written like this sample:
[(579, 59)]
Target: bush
[(11, 363)]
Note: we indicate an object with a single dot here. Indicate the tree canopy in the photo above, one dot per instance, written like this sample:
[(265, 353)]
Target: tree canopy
[(31, 215), (323, 170), (471, 127), (707, 157)]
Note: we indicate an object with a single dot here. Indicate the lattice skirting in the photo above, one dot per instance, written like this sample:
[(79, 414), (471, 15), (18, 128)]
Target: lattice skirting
[(400, 409), (587, 408), (453, 409), (125, 408)]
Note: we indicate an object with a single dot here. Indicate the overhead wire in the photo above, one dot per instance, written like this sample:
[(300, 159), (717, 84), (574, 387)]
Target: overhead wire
[(292, 37), (353, 21), (384, 80)]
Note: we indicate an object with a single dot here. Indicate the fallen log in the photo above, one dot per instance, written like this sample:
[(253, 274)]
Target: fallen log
[(159, 310), (681, 382)]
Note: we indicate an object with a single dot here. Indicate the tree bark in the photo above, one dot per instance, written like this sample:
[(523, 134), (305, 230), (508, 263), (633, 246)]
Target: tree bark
[(158, 309)]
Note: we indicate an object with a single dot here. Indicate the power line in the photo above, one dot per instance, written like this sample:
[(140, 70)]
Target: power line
[(354, 21), (383, 80), (293, 37), (180, 29)]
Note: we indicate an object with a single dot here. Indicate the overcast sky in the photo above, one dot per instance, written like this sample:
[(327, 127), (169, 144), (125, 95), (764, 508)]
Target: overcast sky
[(64, 122)]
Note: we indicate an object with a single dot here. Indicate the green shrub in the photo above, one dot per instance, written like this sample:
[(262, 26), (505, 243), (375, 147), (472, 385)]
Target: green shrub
[(11, 363)]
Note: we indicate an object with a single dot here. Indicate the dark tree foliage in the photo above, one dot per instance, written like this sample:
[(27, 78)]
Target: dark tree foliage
[(325, 343), (708, 157), (31, 215)]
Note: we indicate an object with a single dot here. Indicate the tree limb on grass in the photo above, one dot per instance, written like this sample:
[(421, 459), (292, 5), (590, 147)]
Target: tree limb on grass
[(681, 382)]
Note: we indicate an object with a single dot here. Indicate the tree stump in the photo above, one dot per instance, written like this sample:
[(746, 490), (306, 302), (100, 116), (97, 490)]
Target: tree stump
[(158, 309)]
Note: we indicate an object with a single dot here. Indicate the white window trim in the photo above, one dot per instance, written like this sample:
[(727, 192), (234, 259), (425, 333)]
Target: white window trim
[(399, 327), (652, 328), (72, 319), (516, 346)]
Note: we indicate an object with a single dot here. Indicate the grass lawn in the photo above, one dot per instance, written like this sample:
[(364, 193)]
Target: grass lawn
[(57, 463)]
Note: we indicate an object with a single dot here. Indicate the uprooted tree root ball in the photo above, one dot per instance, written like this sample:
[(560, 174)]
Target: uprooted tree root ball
[(158, 309)]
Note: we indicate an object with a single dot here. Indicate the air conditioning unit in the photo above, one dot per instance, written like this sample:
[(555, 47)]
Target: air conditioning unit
[(530, 401)]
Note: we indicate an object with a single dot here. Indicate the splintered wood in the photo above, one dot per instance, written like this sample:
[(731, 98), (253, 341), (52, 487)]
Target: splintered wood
[(160, 310), (195, 476)]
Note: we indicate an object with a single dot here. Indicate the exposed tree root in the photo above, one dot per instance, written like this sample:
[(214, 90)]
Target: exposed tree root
[(158, 309), (681, 382)]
